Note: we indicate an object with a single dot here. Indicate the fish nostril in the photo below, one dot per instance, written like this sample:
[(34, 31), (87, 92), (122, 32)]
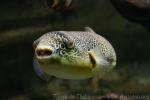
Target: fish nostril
[(43, 52)]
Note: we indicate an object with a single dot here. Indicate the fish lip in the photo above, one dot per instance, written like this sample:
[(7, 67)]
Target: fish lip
[(47, 60), (42, 59)]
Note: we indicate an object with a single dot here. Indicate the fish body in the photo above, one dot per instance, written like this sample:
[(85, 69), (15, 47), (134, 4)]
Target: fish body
[(73, 55)]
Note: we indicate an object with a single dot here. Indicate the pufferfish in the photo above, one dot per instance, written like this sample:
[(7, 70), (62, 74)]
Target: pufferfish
[(73, 55)]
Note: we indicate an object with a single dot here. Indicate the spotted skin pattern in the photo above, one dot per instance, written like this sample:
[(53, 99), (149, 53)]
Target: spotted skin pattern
[(84, 49)]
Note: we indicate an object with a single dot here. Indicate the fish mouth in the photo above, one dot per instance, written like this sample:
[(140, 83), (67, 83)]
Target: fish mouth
[(48, 60), (43, 53)]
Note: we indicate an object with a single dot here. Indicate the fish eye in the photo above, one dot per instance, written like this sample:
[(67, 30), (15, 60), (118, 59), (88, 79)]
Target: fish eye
[(70, 45)]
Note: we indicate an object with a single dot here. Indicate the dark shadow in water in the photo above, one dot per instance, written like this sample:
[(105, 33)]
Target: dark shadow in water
[(36, 21)]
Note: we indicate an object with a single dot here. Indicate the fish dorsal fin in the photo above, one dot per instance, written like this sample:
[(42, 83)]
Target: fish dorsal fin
[(88, 29), (39, 71)]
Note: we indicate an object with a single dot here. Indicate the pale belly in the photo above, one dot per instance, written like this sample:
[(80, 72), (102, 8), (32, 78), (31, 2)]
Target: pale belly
[(68, 72)]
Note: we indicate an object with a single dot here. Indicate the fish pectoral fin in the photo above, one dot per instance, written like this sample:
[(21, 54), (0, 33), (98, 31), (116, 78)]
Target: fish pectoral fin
[(92, 59), (40, 72), (96, 56)]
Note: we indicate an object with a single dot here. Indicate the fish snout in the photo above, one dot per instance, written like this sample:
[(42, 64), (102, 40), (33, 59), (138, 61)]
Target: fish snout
[(43, 52)]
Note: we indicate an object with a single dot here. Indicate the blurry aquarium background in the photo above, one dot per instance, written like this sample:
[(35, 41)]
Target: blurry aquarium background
[(23, 21)]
